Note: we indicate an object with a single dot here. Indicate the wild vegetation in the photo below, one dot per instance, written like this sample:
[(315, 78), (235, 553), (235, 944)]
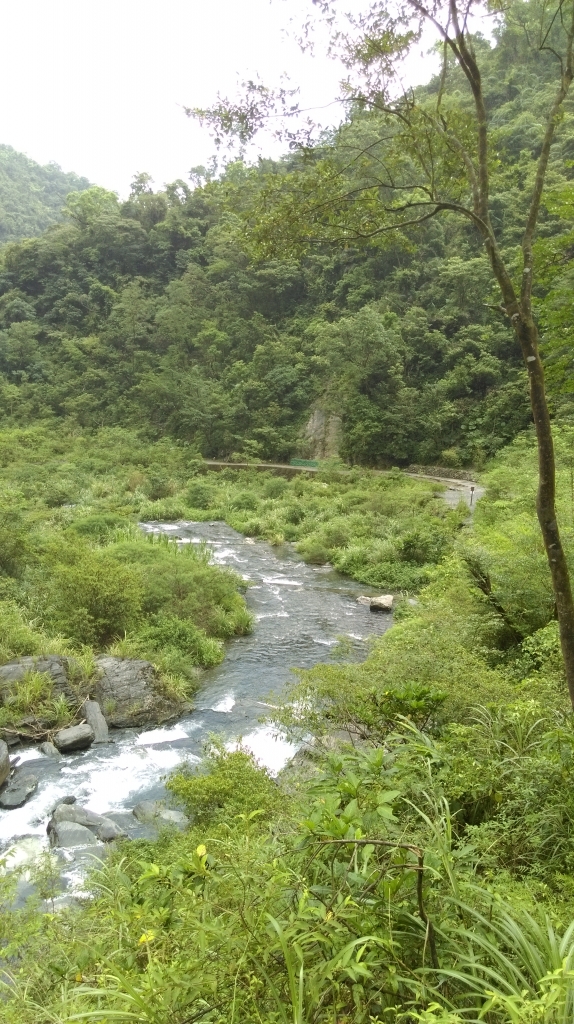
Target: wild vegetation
[(31, 196), (413, 864), (78, 577)]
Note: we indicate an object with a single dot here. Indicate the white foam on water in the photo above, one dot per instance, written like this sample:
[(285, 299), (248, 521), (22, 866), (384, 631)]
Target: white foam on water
[(325, 643), (272, 615), (225, 705), (114, 783), (282, 581), (31, 754), (176, 732), (22, 854), (270, 750), (220, 556)]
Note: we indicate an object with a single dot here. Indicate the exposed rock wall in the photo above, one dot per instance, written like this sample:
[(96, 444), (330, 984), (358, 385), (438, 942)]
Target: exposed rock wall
[(323, 433)]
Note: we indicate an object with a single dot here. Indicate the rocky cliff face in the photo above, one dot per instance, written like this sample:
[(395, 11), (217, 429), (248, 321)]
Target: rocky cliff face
[(323, 434)]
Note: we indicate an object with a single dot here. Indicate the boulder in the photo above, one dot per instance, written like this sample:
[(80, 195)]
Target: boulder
[(75, 737), (109, 830), (79, 815), (154, 811), (94, 717), (4, 762), (129, 692), (103, 828), (363, 599), (382, 603), (49, 749), (57, 667), (68, 833), (18, 790)]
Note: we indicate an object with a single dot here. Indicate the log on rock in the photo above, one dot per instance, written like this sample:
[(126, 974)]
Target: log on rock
[(75, 737)]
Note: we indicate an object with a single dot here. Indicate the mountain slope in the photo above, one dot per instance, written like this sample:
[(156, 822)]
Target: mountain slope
[(31, 196)]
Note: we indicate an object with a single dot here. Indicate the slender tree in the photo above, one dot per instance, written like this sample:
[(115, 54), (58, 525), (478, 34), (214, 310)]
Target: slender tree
[(435, 156)]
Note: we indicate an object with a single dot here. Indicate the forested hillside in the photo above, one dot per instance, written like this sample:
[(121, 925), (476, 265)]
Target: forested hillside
[(153, 313), (412, 862), (31, 196)]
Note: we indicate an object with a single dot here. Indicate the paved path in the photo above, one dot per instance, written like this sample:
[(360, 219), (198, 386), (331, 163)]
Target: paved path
[(468, 490)]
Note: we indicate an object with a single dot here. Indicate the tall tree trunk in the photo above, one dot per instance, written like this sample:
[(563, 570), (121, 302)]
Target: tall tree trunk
[(527, 334)]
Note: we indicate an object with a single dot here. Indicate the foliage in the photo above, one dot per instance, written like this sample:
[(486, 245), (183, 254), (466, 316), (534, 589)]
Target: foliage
[(31, 196), (77, 578)]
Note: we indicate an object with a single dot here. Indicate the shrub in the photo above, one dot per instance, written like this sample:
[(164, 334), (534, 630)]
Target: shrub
[(231, 784), (98, 527), (199, 494), (17, 636), (94, 599), (171, 636)]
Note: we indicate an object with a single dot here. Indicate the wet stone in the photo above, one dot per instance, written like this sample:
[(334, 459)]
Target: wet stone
[(19, 789), (95, 719), (69, 833), (4, 762), (76, 737), (154, 811), (49, 749)]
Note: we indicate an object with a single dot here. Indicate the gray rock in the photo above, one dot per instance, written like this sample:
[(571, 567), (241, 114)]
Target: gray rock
[(154, 811), (18, 790), (75, 737), (57, 667), (128, 691), (363, 599), (68, 833), (146, 810), (382, 603), (79, 815), (109, 830), (4, 762), (49, 749), (103, 828), (174, 817), (124, 819), (94, 717)]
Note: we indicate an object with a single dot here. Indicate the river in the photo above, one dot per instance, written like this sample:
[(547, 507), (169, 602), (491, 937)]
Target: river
[(299, 612)]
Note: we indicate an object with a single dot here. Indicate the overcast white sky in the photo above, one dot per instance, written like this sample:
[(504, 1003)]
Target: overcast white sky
[(99, 85)]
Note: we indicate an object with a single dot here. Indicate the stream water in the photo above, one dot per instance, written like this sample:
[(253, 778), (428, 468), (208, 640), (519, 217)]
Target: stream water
[(299, 611)]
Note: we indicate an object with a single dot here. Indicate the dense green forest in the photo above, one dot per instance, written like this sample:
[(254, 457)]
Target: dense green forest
[(31, 196), (413, 863)]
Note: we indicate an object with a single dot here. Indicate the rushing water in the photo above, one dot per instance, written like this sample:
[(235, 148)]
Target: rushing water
[(299, 612)]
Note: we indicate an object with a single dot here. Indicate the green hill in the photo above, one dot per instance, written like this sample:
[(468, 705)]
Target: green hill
[(31, 195)]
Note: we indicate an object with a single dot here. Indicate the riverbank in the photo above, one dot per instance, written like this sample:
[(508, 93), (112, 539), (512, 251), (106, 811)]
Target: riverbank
[(435, 838)]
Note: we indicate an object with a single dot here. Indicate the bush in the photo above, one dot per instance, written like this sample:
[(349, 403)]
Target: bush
[(17, 636), (199, 494), (232, 784), (95, 599), (171, 636), (98, 527)]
